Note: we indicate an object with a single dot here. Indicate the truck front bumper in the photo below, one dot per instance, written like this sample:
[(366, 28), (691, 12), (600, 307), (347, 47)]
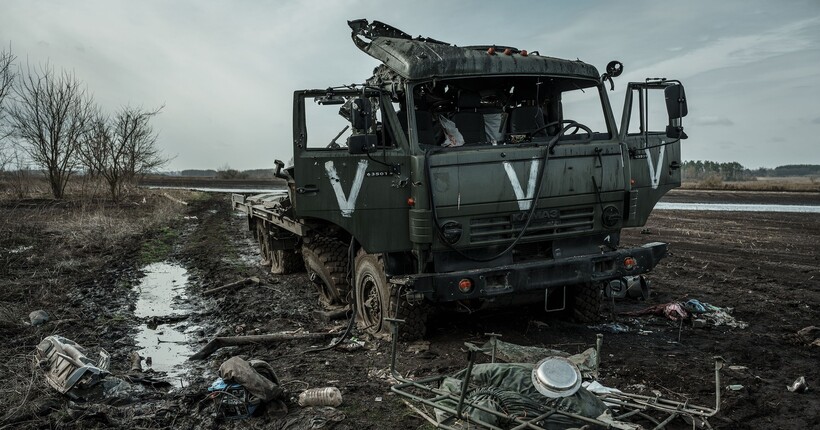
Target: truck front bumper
[(534, 276)]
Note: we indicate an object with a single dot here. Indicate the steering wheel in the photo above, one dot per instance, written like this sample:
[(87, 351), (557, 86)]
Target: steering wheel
[(575, 126)]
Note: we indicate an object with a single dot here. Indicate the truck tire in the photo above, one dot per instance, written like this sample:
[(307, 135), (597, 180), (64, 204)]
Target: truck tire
[(587, 300), (325, 260), (376, 301), (286, 261), (281, 261)]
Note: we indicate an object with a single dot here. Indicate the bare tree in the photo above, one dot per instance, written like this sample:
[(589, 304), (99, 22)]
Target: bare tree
[(6, 81), (123, 148), (51, 113)]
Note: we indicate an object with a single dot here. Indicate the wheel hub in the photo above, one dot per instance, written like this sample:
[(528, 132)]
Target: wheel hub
[(371, 303)]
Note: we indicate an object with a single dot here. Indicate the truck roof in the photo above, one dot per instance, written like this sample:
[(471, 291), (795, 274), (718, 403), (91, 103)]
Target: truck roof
[(424, 58)]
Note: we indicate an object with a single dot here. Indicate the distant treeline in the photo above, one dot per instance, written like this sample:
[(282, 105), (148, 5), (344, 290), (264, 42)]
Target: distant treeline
[(225, 173), (734, 171)]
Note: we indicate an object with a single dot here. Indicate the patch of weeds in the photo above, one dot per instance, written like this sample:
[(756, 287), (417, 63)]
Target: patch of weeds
[(159, 246)]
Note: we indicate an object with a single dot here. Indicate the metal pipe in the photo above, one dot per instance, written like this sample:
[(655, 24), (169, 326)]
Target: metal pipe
[(466, 382)]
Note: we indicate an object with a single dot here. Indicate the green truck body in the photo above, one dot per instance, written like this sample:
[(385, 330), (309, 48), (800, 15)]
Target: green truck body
[(463, 179)]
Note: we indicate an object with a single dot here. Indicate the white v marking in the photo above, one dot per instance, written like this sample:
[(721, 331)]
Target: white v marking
[(524, 200), (346, 204), (655, 170)]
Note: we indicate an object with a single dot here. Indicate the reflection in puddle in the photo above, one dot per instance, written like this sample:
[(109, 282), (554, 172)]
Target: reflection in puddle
[(161, 294)]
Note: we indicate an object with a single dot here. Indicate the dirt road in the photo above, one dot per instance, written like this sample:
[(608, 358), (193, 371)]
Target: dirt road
[(766, 266)]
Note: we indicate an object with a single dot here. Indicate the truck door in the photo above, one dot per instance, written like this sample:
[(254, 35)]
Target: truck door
[(349, 177), (651, 130)]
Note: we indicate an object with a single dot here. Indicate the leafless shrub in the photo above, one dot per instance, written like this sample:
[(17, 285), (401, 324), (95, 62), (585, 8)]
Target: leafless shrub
[(50, 114), (122, 149), (6, 81)]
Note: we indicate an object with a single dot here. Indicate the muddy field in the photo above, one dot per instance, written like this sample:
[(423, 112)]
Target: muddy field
[(86, 266)]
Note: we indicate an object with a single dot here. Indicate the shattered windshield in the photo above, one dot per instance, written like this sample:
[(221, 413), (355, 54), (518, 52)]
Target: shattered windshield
[(506, 110)]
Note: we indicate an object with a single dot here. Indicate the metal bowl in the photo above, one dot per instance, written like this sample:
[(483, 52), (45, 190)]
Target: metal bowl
[(556, 377)]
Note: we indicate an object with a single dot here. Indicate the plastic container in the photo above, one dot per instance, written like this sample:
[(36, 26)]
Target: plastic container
[(327, 396)]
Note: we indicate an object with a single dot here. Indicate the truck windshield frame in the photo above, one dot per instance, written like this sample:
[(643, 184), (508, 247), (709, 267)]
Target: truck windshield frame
[(527, 109)]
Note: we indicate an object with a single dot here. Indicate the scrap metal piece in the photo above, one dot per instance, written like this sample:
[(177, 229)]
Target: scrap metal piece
[(428, 392), (67, 367), (799, 385)]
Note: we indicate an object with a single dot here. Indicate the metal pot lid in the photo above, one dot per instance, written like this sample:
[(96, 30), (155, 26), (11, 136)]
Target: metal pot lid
[(556, 377)]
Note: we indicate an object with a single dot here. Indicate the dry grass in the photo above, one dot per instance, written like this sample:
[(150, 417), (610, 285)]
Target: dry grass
[(799, 184)]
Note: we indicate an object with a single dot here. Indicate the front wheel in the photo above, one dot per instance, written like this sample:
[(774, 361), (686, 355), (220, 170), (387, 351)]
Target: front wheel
[(376, 301), (586, 302), (325, 259)]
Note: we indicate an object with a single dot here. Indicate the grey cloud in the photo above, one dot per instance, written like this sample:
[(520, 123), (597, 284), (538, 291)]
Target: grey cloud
[(713, 120)]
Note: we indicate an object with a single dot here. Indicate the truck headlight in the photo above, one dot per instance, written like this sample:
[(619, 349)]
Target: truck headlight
[(611, 216), (451, 230)]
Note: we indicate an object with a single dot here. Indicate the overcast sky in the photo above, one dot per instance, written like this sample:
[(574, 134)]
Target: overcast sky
[(226, 71)]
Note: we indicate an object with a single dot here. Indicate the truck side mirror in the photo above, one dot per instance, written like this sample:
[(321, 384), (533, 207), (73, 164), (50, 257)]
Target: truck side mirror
[(675, 101), (676, 108)]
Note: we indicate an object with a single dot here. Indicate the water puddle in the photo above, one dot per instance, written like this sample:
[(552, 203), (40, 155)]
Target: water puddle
[(162, 305), (737, 207)]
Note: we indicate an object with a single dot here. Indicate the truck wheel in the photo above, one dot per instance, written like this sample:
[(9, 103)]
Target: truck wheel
[(376, 301), (325, 260), (263, 237), (286, 261), (586, 303)]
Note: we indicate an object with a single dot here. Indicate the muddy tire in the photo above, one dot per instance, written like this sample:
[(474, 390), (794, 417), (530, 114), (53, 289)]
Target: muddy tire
[(286, 261), (587, 301), (325, 260), (263, 238), (376, 301)]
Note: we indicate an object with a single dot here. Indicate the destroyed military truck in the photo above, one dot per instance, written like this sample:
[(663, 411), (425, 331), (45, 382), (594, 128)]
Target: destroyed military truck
[(470, 177)]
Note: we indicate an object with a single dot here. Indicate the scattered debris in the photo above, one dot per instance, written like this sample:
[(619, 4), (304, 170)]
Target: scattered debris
[(738, 368), (506, 395), (418, 346), (136, 361), (810, 335), (333, 315), (326, 396), (221, 342), (243, 386), (734, 387), (233, 285), (38, 317), (701, 313), (799, 385), (611, 327), (349, 345), (174, 199), (66, 366)]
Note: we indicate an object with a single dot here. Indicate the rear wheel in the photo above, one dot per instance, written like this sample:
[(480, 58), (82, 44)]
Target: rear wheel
[(376, 301), (325, 260), (286, 261)]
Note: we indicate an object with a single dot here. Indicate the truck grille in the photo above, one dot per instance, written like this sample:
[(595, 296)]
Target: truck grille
[(546, 224)]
